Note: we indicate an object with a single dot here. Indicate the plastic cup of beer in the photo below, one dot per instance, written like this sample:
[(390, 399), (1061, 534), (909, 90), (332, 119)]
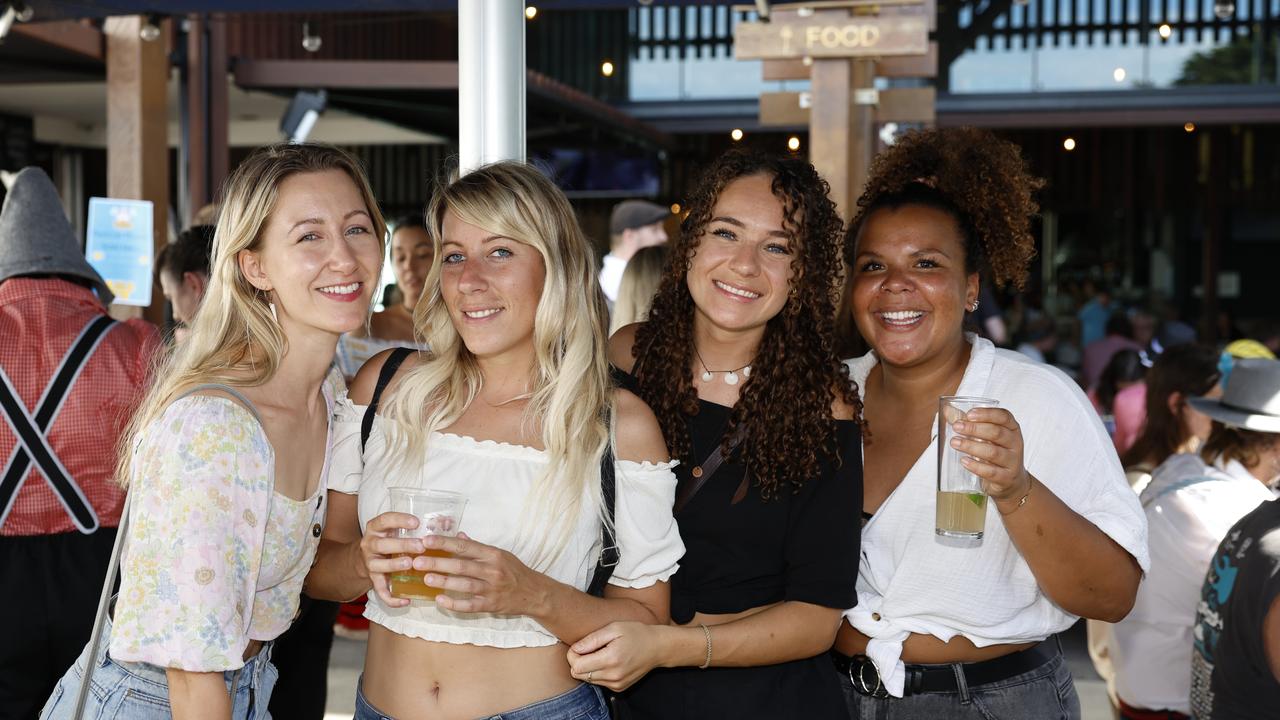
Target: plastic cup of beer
[(962, 502), (439, 512)]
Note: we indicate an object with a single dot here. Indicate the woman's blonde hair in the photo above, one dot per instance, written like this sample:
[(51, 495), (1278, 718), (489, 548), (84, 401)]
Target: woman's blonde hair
[(639, 283), (234, 339), (570, 397)]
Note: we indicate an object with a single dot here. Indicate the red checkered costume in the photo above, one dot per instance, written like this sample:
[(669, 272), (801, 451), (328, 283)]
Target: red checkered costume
[(39, 320)]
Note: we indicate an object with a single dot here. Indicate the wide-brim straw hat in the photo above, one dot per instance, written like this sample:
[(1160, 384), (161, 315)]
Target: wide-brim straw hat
[(1251, 398), (35, 236)]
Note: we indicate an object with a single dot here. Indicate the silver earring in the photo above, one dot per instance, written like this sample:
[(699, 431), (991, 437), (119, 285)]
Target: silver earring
[(974, 306), (274, 316)]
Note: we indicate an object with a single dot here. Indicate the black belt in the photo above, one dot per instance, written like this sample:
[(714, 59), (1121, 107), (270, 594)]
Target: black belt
[(942, 678)]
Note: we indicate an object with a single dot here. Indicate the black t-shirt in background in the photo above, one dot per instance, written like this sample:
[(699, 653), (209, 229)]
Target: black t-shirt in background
[(1230, 676)]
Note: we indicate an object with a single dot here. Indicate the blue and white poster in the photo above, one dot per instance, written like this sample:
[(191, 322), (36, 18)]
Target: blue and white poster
[(120, 247)]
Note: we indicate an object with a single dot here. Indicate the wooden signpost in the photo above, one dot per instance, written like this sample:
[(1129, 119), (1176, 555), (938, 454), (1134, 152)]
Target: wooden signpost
[(841, 48)]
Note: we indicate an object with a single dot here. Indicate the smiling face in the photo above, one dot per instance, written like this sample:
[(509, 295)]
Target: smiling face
[(910, 286), (740, 273), (491, 286), (318, 256), (411, 255)]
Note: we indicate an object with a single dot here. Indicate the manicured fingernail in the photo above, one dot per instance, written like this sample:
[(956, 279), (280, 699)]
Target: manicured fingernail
[(960, 426), (955, 442)]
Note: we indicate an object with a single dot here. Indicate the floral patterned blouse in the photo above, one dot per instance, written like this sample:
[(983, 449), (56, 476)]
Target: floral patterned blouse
[(214, 557)]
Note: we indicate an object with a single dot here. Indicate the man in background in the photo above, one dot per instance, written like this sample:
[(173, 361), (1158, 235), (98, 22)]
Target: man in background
[(70, 378), (634, 224)]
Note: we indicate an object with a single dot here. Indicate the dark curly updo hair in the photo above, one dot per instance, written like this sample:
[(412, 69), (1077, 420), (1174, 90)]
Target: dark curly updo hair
[(796, 374), (973, 176)]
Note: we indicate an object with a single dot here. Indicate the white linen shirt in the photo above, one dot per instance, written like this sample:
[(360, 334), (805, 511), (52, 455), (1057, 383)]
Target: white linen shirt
[(611, 270), (1190, 507), (912, 581)]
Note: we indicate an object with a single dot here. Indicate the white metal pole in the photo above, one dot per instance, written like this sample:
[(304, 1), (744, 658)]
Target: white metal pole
[(491, 87)]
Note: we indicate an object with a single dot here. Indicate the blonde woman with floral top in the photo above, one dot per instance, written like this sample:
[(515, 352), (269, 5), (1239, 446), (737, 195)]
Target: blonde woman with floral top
[(225, 460)]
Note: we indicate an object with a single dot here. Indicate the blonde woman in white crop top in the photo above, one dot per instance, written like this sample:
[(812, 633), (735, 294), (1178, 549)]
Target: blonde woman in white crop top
[(510, 409)]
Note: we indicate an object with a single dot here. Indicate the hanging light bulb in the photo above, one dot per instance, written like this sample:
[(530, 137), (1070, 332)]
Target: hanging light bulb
[(1224, 9), (736, 134), (606, 68), (150, 31), (310, 43), (793, 143), (531, 12), (1166, 31)]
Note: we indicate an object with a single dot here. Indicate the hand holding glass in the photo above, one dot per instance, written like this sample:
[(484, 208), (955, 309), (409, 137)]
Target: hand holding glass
[(439, 513), (962, 501)]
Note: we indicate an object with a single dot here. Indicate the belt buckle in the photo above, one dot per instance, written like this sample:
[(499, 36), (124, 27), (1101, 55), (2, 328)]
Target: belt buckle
[(860, 667)]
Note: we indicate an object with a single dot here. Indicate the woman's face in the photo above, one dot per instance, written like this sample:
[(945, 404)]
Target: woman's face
[(740, 274), (411, 255), (319, 257), (491, 285), (910, 287)]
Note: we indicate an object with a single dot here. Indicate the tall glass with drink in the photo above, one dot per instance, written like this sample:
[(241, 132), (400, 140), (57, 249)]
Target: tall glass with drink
[(962, 502), (439, 512)]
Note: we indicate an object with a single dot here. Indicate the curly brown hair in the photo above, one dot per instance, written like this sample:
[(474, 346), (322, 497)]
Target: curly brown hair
[(980, 180), (796, 374)]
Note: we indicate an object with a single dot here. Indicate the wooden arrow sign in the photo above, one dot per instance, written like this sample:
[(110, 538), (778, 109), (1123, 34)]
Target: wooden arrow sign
[(827, 37), (790, 109)]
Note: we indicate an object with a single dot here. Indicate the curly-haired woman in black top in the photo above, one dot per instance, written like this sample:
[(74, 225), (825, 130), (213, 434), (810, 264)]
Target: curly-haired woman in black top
[(737, 360)]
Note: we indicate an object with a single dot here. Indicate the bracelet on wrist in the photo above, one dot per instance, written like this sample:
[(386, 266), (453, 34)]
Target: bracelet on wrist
[(1031, 481), (706, 631)]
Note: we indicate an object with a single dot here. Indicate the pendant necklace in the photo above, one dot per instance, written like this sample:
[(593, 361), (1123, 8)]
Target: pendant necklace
[(731, 376)]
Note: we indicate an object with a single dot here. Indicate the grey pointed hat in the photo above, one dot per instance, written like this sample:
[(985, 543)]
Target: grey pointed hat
[(1251, 398), (35, 236)]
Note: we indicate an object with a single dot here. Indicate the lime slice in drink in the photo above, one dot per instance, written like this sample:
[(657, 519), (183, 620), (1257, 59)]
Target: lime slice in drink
[(977, 498)]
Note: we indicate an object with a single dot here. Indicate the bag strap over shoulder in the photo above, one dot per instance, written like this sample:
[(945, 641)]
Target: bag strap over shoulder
[(609, 554), (388, 371)]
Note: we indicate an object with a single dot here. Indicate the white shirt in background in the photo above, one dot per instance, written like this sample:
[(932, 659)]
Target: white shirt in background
[(1190, 507), (910, 580), (611, 276)]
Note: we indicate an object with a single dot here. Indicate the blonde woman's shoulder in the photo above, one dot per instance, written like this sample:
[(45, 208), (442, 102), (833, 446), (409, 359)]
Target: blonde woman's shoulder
[(638, 433), (620, 344), (361, 388)]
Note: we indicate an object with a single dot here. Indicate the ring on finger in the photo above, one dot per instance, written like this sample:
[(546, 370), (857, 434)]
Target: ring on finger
[(593, 672)]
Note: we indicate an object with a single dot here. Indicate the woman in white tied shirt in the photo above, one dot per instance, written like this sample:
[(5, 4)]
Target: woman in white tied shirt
[(944, 630)]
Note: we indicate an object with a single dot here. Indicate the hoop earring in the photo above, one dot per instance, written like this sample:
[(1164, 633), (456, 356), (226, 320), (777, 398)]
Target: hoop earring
[(974, 306)]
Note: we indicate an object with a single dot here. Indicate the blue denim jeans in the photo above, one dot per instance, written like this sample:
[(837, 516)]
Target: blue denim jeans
[(1045, 693), (584, 702), (139, 691)]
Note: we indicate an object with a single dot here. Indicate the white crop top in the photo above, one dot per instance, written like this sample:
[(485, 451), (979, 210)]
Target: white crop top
[(497, 478)]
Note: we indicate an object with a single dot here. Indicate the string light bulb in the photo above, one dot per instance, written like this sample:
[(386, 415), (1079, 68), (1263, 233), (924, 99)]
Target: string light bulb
[(1189, 127), (531, 12), (1069, 144), (793, 143), (1165, 30), (736, 134), (1224, 9), (150, 31), (606, 68), (310, 43)]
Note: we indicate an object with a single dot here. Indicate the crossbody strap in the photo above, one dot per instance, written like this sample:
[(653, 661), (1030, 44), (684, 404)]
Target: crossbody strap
[(117, 549), (387, 372), (609, 553), (702, 472)]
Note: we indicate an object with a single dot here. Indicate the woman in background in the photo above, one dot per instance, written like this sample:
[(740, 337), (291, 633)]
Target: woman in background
[(639, 283)]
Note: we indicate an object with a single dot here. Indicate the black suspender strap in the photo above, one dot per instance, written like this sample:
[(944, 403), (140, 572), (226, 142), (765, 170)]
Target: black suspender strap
[(387, 372), (609, 554), (30, 431)]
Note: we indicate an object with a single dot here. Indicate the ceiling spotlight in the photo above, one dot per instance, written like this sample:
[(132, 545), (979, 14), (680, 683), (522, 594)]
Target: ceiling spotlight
[(1069, 144), (531, 12), (302, 113), (1189, 127), (606, 68), (150, 31), (736, 134), (1165, 30), (1224, 9), (793, 143), (310, 43)]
